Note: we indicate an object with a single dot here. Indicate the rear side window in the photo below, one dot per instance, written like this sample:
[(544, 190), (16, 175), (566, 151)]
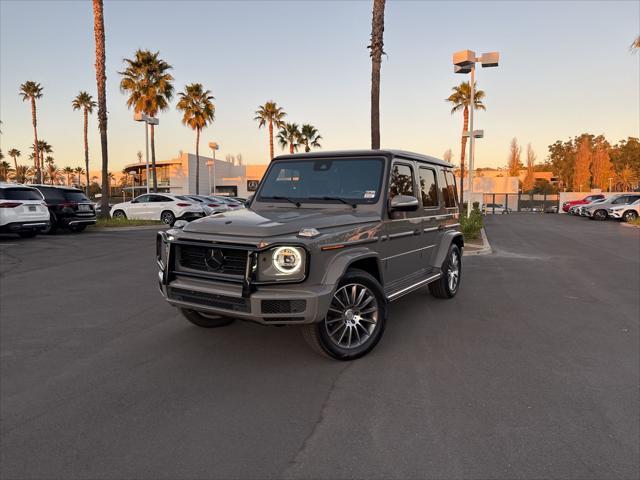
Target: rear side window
[(448, 187), (19, 194), (401, 182), (428, 187), (75, 196), (52, 195)]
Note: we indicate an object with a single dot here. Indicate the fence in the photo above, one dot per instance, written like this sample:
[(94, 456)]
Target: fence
[(522, 202)]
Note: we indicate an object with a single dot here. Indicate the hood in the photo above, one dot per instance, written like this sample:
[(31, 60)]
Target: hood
[(276, 221)]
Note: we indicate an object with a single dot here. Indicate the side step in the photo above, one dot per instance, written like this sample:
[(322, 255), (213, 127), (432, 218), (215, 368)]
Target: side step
[(409, 285)]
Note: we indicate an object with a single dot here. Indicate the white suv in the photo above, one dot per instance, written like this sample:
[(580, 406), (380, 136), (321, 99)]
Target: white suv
[(158, 206), (22, 210), (627, 212)]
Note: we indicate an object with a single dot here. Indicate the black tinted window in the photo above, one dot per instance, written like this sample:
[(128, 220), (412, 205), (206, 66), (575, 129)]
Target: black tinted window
[(160, 198), (401, 182), (428, 187), (19, 193), (75, 196), (450, 193), (52, 195)]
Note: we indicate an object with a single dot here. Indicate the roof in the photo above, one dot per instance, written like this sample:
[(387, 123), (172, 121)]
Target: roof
[(366, 153), (60, 187)]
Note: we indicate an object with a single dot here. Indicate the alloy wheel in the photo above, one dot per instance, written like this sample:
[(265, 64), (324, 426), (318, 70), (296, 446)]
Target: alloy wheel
[(352, 317), (453, 271)]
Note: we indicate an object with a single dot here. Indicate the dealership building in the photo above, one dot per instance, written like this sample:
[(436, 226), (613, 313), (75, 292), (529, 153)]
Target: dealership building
[(178, 176)]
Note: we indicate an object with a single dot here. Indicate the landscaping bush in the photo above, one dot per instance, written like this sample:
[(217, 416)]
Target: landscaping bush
[(471, 225)]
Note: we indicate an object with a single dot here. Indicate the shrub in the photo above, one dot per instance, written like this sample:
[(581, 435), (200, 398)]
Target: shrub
[(471, 225)]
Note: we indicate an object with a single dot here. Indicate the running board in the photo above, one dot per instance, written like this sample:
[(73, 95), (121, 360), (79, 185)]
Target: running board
[(400, 293)]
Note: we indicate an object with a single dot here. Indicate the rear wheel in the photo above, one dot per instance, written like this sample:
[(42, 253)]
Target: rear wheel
[(355, 321), (167, 217), (204, 320), (599, 215), (53, 225), (28, 234), (119, 214), (447, 285), (630, 216)]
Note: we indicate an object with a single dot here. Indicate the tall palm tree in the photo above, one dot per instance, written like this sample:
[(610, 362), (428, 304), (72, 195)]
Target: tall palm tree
[(14, 153), (310, 137), (21, 174), (198, 112), (377, 49), (101, 80), (461, 99), (5, 170), (270, 114), (32, 91), (85, 102), (68, 171), (49, 160), (43, 147), (112, 179), (289, 136), (53, 173), (80, 172), (148, 83)]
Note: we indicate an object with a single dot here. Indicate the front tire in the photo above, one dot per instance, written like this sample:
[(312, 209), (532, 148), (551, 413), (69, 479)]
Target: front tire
[(204, 320), (355, 320), (168, 218), (629, 216), (448, 284), (119, 215), (600, 215)]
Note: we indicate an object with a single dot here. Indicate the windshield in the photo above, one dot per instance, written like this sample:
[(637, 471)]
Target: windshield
[(19, 193), (324, 180)]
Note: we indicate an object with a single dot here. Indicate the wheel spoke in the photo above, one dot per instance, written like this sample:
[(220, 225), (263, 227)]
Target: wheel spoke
[(342, 335), (349, 338), (337, 330), (366, 302), (337, 299)]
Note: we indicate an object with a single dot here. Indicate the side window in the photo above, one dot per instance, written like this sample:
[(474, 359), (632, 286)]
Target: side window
[(401, 181), (451, 193), (160, 198), (620, 200), (428, 187), (143, 199)]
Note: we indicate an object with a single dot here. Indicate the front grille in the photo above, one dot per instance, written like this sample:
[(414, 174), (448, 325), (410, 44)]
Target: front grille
[(224, 261), (283, 306), (209, 299)]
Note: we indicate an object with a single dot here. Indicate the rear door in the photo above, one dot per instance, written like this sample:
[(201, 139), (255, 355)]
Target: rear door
[(431, 210), (160, 203)]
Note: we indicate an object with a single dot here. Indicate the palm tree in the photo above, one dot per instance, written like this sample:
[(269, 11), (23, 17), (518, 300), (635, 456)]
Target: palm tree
[(626, 178), (270, 114), (101, 80), (14, 153), (68, 171), (198, 112), (32, 91), (310, 137), (49, 160), (112, 178), (21, 174), (85, 102), (461, 99), (289, 135), (80, 172), (377, 49), (43, 147), (53, 173), (148, 83), (5, 170)]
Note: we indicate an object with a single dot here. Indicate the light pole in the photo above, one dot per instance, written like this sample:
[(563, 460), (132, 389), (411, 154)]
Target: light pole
[(141, 117), (610, 178), (464, 61), (212, 186)]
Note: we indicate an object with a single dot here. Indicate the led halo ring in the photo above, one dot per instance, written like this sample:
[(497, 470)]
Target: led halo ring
[(279, 256)]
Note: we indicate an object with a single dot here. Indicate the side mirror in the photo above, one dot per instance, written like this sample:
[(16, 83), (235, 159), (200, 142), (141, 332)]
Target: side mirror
[(403, 203), (180, 224), (134, 201)]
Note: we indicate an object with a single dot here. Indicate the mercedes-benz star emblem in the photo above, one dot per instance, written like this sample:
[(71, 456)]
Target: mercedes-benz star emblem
[(214, 259)]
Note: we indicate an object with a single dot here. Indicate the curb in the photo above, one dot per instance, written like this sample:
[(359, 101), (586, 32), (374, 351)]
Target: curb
[(128, 229), (486, 246), (624, 224)]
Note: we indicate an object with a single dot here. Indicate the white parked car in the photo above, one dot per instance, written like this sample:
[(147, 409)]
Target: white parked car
[(210, 205), (22, 210), (625, 212), (158, 206), (495, 208), (581, 210)]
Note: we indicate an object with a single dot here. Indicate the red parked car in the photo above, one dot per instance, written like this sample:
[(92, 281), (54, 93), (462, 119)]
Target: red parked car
[(567, 205)]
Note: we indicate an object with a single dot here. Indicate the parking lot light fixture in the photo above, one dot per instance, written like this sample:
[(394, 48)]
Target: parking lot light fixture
[(464, 61), (212, 186), (141, 117)]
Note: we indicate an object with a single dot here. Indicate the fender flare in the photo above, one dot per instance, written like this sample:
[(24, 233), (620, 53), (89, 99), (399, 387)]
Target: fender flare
[(443, 248), (341, 262)]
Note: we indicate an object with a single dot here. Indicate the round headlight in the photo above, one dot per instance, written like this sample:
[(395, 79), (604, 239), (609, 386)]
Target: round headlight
[(287, 259)]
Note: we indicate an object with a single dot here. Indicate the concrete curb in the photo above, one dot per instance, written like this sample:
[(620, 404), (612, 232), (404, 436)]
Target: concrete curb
[(625, 224), (128, 229), (486, 246)]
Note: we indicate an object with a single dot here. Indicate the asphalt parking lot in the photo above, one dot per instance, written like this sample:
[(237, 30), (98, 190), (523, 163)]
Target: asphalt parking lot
[(531, 371)]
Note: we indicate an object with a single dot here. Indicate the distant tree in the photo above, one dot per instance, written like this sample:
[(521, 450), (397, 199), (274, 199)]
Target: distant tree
[(310, 137), (80, 172), (5, 170), (149, 84), (84, 102), (601, 169), (582, 177), (198, 112), (460, 99), (21, 174), (14, 153), (290, 136), (447, 155), (529, 179), (514, 165), (626, 152), (626, 179), (270, 114), (32, 91), (376, 48), (52, 173), (68, 171)]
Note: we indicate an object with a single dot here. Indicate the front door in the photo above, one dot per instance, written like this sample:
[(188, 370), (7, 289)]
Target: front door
[(137, 208)]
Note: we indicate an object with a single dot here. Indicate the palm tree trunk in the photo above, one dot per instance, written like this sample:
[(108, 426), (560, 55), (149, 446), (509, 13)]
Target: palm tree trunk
[(377, 31), (197, 161), (271, 139), (15, 162), (153, 160), (291, 148), (36, 152), (86, 147), (101, 80), (465, 126)]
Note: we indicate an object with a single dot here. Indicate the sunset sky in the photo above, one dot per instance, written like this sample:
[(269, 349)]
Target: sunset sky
[(565, 69)]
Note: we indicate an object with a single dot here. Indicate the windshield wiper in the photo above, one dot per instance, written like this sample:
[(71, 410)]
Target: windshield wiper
[(277, 197), (351, 204)]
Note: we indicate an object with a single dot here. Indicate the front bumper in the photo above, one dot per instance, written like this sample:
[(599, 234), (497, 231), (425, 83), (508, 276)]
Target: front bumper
[(615, 213), (16, 227)]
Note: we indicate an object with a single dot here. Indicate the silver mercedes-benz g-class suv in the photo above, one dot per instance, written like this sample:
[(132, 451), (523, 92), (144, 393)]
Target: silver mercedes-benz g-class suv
[(326, 242)]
